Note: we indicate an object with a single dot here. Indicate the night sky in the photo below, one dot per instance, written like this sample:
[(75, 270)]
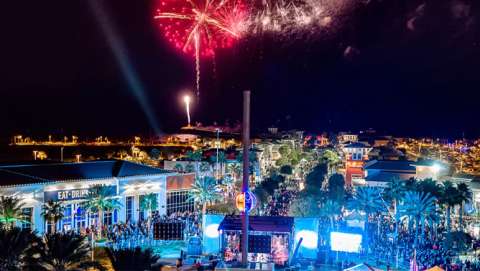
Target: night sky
[(399, 66)]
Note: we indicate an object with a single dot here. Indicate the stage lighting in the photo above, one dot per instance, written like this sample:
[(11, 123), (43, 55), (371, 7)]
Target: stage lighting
[(310, 239), (345, 242), (211, 231)]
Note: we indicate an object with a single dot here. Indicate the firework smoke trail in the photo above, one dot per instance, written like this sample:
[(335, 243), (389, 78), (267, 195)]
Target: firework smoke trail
[(286, 18), (197, 63)]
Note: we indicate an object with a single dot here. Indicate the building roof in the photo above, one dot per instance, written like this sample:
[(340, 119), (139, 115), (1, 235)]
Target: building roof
[(259, 223), (388, 176), (357, 145), (391, 165), (16, 174)]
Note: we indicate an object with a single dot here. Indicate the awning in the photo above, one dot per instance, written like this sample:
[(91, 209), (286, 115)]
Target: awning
[(259, 223), (362, 267)]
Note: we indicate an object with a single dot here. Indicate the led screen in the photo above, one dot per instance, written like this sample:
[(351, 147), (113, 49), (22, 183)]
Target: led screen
[(345, 242)]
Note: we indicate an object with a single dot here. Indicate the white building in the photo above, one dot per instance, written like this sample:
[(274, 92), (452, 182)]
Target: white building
[(70, 184)]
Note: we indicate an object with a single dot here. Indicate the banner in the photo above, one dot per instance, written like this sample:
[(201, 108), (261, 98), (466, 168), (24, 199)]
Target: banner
[(75, 194)]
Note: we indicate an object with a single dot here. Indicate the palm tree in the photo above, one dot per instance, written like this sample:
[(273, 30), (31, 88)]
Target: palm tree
[(204, 191), (189, 168), (450, 198), (429, 186), (64, 252), (133, 259), (331, 158), (18, 248), (331, 209), (99, 201), (235, 169), (11, 211), (52, 212), (178, 167), (222, 159), (149, 202), (368, 200), (194, 155), (418, 206), (465, 196)]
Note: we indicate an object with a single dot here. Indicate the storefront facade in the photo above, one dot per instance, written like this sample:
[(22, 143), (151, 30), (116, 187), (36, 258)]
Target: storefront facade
[(71, 183)]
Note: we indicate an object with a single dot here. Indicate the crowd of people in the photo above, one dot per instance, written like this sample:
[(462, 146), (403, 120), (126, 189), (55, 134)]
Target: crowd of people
[(430, 249), (280, 203)]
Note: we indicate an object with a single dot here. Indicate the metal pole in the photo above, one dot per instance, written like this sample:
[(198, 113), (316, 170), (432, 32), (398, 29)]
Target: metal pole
[(246, 172), (216, 145)]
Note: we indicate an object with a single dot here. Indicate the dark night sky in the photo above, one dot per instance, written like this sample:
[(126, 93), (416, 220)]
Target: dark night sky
[(58, 73)]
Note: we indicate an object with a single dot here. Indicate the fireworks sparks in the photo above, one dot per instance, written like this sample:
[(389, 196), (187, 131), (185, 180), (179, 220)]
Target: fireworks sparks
[(288, 17), (199, 27)]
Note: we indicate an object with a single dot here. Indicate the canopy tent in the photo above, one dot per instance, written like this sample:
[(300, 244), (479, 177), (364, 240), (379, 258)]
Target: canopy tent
[(362, 267), (435, 268), (259, 223)]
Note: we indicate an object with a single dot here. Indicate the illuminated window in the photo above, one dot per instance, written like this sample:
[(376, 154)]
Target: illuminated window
[(129, 208), (67, 218), (177, 201), (27, 217)]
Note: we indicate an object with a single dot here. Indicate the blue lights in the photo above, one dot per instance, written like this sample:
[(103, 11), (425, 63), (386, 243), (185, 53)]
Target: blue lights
[(345, 242), (211, 234), (310, 239), (306, 228)]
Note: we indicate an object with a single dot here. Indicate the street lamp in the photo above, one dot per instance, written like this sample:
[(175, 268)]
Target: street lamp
[(186, 99)]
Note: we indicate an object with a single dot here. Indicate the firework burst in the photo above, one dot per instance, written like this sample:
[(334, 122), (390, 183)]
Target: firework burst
[(199, 27)]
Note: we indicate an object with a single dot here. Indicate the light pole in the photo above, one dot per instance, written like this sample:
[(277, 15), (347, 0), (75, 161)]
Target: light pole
[(217, 143), (246, 173), (35, 155), (186, 99)]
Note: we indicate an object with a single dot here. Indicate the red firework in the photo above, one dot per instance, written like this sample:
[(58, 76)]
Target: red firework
[(198, 27)]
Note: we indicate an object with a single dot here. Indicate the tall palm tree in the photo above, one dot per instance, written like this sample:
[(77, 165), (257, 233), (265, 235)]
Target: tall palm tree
[(178, 167), (204, 191), (450, 198), (331, 209), (194, 155), (417, 206), (18, 247), (149, 203), (331, 158), (465, 196), (368, 200), (99, 201), (235, 169), (222, 159), (52, 212), (189, 168), (429, 186), (64, 252), (133, 259), (11, 211)]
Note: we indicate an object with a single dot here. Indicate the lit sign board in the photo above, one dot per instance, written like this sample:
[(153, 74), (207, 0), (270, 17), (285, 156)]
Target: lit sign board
[(75, 194), (345, 242)]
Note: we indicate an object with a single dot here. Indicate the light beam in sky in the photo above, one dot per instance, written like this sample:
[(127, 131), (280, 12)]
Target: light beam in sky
[(119, 52)]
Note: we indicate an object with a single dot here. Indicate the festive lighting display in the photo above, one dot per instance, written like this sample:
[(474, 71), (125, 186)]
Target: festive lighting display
[(198, 27)]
